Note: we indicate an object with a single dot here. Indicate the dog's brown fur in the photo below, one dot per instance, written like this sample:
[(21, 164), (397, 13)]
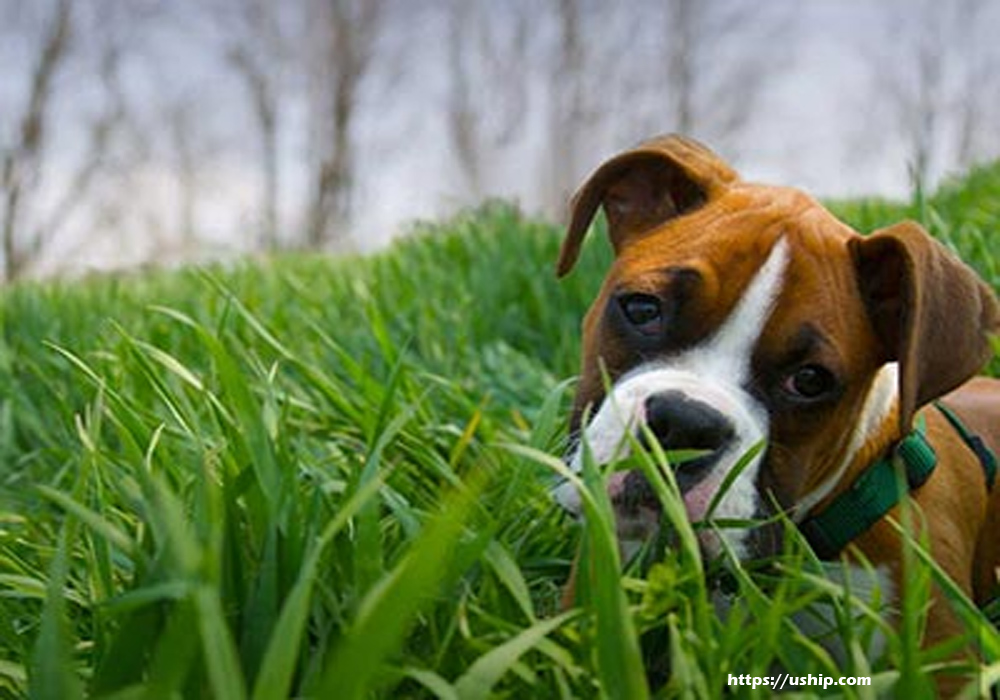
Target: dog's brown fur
[(905, 298)]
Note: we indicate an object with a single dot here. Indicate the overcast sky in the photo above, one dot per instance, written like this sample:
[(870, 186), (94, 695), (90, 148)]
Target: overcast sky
[(824, 122)]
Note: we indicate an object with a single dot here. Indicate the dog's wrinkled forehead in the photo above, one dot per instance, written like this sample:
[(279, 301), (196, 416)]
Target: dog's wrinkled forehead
[(700, 265)]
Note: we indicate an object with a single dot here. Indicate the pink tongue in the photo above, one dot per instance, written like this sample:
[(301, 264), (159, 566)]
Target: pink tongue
[(695, 501), (640, 521), (616, 485)]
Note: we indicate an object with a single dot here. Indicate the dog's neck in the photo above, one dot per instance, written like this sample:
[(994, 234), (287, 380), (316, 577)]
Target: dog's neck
[(875, 432)]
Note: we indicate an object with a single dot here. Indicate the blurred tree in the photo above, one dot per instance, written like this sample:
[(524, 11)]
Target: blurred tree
[(23, 154), (487, 99), (574, 86), (41, 187), (934, 68), (181, 119), (259, 44), (342, 43), (709, 64), (698, 67)]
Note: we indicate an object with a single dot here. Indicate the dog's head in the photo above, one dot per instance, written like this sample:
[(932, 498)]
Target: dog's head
[(736, 314)]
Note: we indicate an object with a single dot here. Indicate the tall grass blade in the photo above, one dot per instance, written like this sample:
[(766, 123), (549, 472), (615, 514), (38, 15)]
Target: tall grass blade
[(52, 671), (275, 677), (388, 611), (619, 656), (218, 648), (486, 671), (508, 573)]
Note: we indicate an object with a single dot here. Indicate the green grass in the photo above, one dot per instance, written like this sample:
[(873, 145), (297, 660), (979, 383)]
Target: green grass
[(329, 478)]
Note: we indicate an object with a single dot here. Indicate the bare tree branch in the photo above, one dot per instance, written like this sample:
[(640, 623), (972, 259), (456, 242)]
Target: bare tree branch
[(348, 31), (100, 134), (258, 55), (720, 56), (485, 105), (22, 160), (938, 79), (568, 114)]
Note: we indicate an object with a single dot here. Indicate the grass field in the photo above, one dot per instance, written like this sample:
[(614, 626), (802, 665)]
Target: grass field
[(329, 478)]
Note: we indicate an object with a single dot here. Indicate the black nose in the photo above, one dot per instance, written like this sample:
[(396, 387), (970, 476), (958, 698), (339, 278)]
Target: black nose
[(681, 423)]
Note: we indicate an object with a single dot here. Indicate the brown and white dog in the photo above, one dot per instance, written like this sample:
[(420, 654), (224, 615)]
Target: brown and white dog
[(738, 313)]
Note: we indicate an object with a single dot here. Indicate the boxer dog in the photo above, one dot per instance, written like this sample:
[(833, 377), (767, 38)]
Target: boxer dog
[(737, 314)]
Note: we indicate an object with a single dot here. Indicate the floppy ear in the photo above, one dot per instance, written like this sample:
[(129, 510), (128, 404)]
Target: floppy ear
[(931, 312), (658, 180)]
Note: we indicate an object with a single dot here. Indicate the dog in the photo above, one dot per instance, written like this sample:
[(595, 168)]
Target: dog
[(736, 314)]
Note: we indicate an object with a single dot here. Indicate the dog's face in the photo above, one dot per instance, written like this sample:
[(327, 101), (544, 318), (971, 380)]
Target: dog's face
[(736, 315)]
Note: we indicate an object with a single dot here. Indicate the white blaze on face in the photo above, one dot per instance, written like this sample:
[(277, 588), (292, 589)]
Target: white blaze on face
[(717, 373)]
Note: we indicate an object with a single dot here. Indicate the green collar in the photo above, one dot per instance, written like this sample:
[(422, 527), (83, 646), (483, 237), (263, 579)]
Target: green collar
[(873, 495), (878, 490)]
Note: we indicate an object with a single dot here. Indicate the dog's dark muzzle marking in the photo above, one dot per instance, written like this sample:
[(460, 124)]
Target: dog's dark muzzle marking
[(679, 422)]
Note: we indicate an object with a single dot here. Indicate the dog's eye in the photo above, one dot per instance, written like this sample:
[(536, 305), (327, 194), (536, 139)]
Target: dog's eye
[(810, 382), (643, 311)]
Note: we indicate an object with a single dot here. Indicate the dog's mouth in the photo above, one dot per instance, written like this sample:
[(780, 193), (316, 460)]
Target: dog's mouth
[(639, 513), (710, 442), (637, 509)]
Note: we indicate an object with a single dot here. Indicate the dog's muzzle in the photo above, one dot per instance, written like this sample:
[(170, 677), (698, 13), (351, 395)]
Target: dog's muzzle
[(679, 424)]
